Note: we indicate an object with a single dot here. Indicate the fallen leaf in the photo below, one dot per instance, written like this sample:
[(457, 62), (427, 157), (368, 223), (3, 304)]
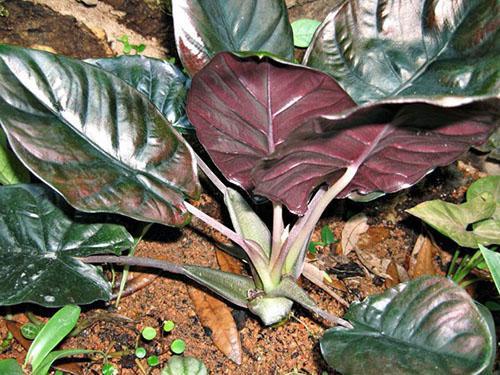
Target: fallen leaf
[(228, 263), (373, 237), (353, 228), (215, 315), (392, 271), (422, 258), (373, 263), (317, 277)]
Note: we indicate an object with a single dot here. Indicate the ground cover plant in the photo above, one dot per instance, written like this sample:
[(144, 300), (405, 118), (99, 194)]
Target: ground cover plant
[(102, 133)]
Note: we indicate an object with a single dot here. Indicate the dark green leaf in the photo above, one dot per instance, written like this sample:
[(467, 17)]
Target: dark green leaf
[(52, 333), (30, 330), (180, 365), (205, 27), (37, 244), (10, 367), (492, 259), (12, 171), (445, 51), (453, 220), (426, 326), (94, 138), (486, 313), (303, 31), (161, 81)]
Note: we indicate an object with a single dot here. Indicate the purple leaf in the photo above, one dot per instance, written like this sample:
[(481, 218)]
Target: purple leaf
[(390, 146), (243, 109)]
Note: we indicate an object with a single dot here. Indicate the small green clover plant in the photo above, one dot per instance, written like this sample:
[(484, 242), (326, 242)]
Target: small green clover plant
[(128, 47)]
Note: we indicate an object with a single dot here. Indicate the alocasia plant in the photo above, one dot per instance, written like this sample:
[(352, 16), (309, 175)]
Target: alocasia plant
[(276, 129)]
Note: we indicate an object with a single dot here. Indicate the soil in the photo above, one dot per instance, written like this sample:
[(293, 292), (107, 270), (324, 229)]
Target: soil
[(289, 348)]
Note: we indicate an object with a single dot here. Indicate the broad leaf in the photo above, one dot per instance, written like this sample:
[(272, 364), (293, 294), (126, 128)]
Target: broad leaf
[(388, 148), (426, 326), (453, 220), (492, 259), (94, 138), (489, 184), (37, 244), (205, 27), (52, 333), (159, 80), (444, 51), (11, 169), (10, 367), (242, 109), (303, 31), (184, 365)]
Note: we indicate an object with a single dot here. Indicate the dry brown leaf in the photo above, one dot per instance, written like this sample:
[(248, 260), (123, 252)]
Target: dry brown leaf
[(317, 276), (422, 258), (215, 314), (228, 263), (392, 271), (353, 228), (373, 263), (373, 237)]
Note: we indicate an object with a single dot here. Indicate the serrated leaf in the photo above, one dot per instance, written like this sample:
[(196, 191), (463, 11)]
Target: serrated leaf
[(386, 147), (446, 51), (453, 220), (159, 80), (184, 365), (243, 109), (427, 326), (38, 243), (94, 138), (206, 27), (52, 333), (12, 171), (489, 184), (303, 31), (492, 259), (246, 222)]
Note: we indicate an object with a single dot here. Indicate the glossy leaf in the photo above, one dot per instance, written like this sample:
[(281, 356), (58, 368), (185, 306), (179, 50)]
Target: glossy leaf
[(159, 80), (427, 326), (184, 365), (49, 360), (444, 51), (492, 259), (52, 333), (489, 184), (388, 148), (94, 138), (12, 171), (453, 220), (206, 27), (303, 31), (10, 367), (37, 244), (242, 109)]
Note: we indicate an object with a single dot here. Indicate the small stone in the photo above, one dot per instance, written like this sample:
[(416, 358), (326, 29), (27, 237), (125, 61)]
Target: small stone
[(89, 3)]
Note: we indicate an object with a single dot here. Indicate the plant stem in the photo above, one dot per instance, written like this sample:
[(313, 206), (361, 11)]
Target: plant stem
[(125, 272), (278, 227), (135, 261), (297, 243), (211, 175)]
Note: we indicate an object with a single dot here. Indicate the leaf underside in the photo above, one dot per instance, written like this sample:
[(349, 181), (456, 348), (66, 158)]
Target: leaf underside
[(446, 51), (206, 27), (38, 243), (428, 325), (94, 138), (159, 80)]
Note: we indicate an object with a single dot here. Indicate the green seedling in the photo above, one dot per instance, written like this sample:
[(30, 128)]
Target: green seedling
[(109, 369), (178, 346), (153, 361), (140, 352), (148, 333), (30, 330), (5, 344), (168, 326), (327, 238), (128, 47)]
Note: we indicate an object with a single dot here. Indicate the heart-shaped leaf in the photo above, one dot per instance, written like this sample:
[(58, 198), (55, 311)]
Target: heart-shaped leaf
[(388, 147), (184, 365), (453, 220), (242, 109), (489, 184), (426, 326), (205, 27), (37, 244), (445, 51), (94, 138), (161, 81)]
